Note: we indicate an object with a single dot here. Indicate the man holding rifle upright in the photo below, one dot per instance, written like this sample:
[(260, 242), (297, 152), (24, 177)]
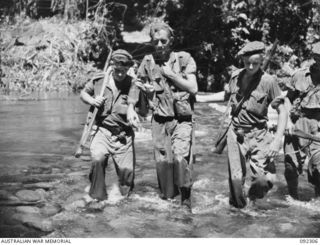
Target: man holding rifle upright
[(304, 94), (252, 91), (113, 136)]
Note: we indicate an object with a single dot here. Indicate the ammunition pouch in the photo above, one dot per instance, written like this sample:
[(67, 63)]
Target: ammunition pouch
[(182, 104), (182, 108), (241, 132)]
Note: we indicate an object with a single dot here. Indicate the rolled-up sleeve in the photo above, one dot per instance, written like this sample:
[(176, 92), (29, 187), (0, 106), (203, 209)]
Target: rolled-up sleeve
[(89, 87), (191, 67), (133, 96), (275, 95)]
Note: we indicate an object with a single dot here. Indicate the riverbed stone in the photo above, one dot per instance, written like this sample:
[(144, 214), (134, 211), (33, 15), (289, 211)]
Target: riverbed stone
[(77, 164), (56, 170), (74, 205), (55, 234), (43, 194), (286, 227), (85, 158), (28, 196), (13, 198), (78, 173), (254, 231), (50, 209), (4, 195), (7, 196), (28, 209), (41, 185), (90, 216), (37, 223)]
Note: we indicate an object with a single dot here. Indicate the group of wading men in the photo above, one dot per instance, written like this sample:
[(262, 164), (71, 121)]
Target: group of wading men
[(166, 81)]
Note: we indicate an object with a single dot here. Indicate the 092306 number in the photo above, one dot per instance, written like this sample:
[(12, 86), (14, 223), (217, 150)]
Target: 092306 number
[(309, 240)]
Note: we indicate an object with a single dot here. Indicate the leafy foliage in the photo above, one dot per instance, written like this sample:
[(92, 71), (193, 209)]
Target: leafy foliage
[(213, 31)]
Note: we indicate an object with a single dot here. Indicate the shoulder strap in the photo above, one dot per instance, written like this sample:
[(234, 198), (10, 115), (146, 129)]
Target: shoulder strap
[(148, 67), (247, 95)]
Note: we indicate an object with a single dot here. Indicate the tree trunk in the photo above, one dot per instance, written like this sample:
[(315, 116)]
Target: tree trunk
[(66, 10), (87, 6)]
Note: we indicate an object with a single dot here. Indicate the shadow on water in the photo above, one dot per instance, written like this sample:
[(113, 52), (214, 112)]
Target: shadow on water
[(38, 175)]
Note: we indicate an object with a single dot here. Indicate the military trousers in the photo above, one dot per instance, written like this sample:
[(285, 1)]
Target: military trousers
[(172, 141), (297, 150), (248, 151), (121, 150)]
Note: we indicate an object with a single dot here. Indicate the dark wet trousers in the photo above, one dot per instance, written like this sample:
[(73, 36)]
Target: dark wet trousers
[(172, 179), (172, 151), (296, 152), (103, 145), (97, 179), (249, 148)]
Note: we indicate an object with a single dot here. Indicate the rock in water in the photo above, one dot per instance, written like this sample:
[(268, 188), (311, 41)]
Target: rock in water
[(75, 205), (40, 224), (43, 194), (4, 195), (35, 221), (7, 196), (29, 196), (286, 227), (27, 209), (42, 185), (50, 209)]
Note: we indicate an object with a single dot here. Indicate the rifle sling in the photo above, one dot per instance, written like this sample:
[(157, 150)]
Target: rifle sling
[(222, 133), (247, 93)]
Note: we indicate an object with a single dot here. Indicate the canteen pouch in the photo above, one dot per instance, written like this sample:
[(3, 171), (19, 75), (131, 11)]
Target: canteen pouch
[(182, 104)]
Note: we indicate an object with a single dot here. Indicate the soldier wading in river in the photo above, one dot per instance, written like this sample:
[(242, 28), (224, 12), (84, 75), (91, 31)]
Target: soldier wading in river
[(248, 139), (113, 136), (304, 94), (168, 79)]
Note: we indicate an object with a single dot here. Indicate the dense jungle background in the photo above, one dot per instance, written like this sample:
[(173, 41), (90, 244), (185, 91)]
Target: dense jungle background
[(58, 44)]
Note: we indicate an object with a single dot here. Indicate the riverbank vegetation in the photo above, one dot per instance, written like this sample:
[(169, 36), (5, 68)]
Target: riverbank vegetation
[(58, 45)]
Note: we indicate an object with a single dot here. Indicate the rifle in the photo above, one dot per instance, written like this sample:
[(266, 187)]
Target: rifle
[(221, 141), (92, 115), (300, 134)]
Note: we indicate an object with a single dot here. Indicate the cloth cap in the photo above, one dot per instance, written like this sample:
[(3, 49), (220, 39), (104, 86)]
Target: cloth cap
[(251, 48), (122, 56), (316, 48)]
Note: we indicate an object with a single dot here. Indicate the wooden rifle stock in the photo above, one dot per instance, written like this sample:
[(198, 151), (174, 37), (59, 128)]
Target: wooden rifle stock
[(92, 116), (221, 141), (299, 133)]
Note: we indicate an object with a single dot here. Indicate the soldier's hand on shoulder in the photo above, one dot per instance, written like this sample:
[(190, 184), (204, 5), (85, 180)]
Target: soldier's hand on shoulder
[(167, 71), (145, 87), (98, 101)]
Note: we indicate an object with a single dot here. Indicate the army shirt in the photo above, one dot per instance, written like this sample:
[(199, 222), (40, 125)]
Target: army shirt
[(165, 93), (113, 113), (254, 110), (303, 93)]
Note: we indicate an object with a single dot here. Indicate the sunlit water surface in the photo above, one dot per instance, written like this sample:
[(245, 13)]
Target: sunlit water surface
[(38, 139)]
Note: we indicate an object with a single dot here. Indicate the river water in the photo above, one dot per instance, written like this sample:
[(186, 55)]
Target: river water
[(38, 139)]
